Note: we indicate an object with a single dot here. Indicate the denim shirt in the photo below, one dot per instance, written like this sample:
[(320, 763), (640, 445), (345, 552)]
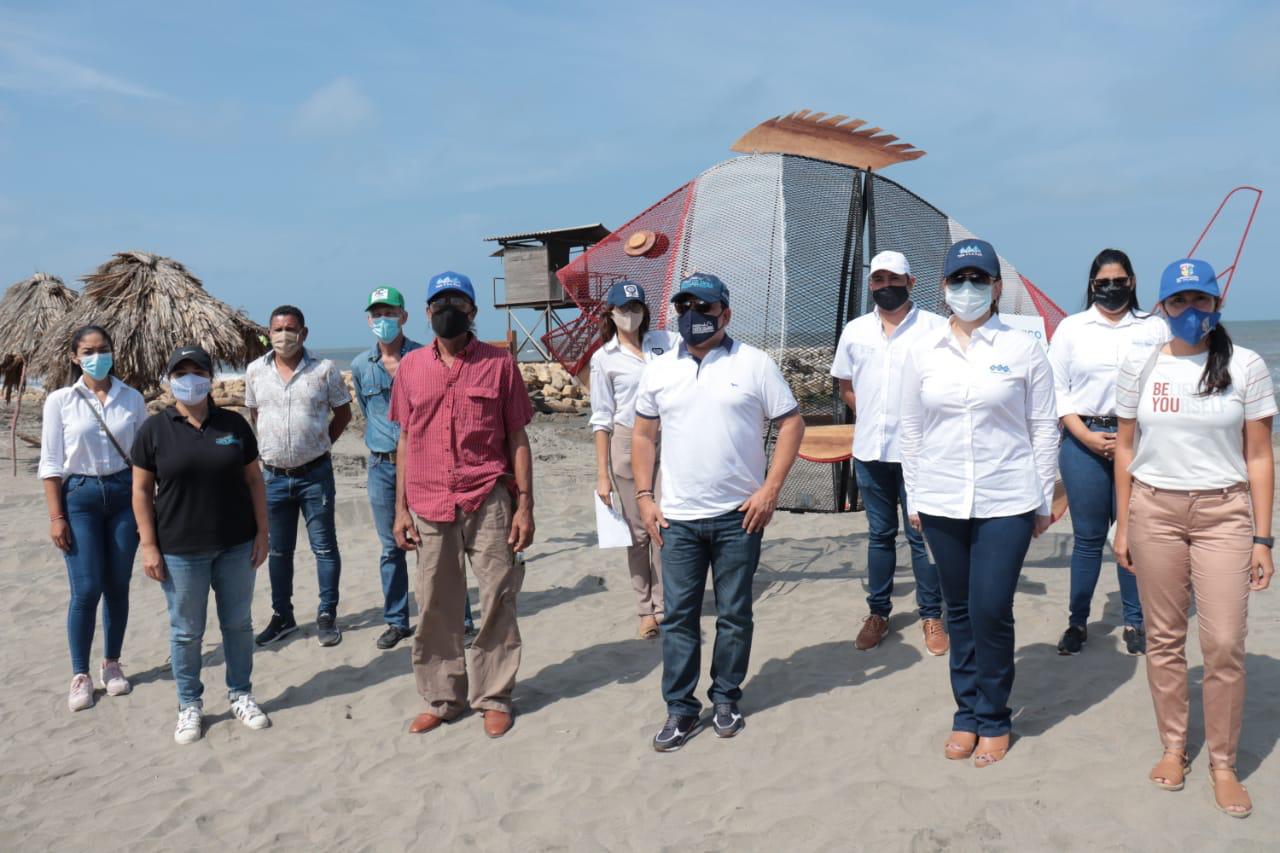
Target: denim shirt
[(373, 393)]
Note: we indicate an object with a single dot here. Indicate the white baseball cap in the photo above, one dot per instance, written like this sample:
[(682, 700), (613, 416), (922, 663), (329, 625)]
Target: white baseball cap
[(890, 261)]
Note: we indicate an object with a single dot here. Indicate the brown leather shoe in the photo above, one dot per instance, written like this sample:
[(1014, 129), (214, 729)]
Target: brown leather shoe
[(497, 723), (936, 640), (874, 629), (425, 722)]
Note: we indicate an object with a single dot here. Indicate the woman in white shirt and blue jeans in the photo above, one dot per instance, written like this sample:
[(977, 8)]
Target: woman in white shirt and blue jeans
[(1194, 481), (87, 489), (979, 436)]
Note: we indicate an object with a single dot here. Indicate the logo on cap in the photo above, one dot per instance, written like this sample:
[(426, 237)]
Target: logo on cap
[(631, 291), (1188, 272), (447, 281), (380, 293), (969, 251), (186, 352)]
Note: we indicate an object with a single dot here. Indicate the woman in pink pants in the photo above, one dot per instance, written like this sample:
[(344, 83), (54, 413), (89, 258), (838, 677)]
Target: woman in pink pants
[(1194, 482)]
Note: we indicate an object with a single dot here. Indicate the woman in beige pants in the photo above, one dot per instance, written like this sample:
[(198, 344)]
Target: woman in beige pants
[(615, 378), (1194, 482)]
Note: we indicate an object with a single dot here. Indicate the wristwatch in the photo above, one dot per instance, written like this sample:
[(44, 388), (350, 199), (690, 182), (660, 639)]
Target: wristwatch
[(1269, 541)]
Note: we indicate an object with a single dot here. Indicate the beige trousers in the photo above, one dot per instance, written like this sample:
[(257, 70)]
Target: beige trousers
[(1185, 543), (643, 559), (439, 662)]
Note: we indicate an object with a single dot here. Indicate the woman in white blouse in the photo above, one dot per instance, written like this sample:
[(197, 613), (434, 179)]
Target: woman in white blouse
[(1086, 353), (1195, 478), (615, 378), (87, 431), (979, 435)]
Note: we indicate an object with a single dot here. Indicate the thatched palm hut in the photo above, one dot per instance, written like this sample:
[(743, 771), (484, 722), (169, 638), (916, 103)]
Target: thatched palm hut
[(27, 312), (150, 304)]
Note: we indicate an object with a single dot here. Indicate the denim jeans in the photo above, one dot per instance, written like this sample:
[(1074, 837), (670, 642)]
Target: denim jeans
[(883, 494), (104, 538), (1090, 482), (979, 561), (311, 493), (689, 548), (188, 579)]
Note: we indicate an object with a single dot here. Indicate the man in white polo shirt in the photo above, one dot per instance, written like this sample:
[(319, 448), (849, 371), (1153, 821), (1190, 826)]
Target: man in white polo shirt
[(868, 364), (712, 397)]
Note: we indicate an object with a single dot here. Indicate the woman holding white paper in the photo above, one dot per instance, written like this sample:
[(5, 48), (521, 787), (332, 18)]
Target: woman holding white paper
[(615, 376)]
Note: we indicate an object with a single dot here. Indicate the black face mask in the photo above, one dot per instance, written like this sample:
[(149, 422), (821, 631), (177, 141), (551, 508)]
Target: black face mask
[(1112, 297), (448, 321), (697, 328), (890, 298)]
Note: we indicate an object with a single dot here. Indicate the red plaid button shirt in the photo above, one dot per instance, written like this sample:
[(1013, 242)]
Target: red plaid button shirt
[(455, 423)]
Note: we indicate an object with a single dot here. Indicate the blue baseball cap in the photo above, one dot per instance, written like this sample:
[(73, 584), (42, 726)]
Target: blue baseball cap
[(447, 281), (1188, 274), (971, 254), (704, 286), (623, 292)]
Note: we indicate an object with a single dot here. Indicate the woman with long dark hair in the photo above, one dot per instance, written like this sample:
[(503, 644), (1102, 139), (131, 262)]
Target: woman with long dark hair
[(1194, 482), (84, 464), (615, 377), (1086, 353)]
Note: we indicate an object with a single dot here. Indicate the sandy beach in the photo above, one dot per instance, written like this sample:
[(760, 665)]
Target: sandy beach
[(842, 749)]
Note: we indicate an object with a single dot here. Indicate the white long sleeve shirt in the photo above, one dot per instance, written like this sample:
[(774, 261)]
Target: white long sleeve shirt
[(1086, 353), (979, 434), (72, 440), (615, 378)]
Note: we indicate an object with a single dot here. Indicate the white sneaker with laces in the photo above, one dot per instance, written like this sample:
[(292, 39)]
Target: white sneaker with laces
[(190, 725), (248, 712), (81, 695), (113, 679)]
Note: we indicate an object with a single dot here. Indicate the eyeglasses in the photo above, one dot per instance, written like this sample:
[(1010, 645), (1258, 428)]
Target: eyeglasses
[(979, 278), (1122, 281), (696, 304), (457, 300)]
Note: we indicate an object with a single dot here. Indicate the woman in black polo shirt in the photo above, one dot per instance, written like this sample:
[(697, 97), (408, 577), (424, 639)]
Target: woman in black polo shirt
[(202, 518)]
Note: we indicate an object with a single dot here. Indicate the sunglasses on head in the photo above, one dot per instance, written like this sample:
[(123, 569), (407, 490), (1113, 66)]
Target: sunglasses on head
[(1122, 281), (698, 305), (973, 276)]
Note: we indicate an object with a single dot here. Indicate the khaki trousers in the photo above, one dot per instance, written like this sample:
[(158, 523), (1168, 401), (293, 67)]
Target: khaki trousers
[(1185, 543), (643, 560), (439, 662)]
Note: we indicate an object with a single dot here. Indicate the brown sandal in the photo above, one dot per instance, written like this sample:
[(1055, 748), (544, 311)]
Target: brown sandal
[(990, 750), (1172, 760), (1239, 804), (960, 745), (648, 628)]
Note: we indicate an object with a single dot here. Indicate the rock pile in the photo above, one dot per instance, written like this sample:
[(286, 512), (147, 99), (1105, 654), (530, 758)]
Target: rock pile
[(552, 389)]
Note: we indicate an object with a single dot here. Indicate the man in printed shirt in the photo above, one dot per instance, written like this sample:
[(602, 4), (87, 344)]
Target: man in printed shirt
[(290, 395), (464, 486)]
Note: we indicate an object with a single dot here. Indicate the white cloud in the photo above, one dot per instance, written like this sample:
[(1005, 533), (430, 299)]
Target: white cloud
[(24, 68), (337, 108)]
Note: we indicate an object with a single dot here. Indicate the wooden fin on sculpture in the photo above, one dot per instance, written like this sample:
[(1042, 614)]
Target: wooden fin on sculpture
[(835, 139)]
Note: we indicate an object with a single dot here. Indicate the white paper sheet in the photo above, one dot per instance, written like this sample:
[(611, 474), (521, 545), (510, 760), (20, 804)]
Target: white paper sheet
[(611, 527)]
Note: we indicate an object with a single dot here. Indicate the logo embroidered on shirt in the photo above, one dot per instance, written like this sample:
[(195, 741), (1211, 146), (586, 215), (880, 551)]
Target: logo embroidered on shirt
[(1000, 368), (658, 350), (227, 440)]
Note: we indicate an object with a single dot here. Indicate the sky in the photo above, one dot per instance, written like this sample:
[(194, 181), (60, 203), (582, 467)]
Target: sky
[(306, 153)]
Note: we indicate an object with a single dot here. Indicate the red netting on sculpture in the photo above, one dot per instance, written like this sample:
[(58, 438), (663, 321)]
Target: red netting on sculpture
[(1048, 309)]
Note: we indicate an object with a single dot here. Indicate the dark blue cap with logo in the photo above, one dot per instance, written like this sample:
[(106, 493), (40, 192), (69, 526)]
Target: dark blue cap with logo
[(450, 281), (704, 286), (971, 254), (623, 292), (1188, 274)]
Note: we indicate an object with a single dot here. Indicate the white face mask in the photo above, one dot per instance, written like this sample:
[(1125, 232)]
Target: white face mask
[(968, 301), (190, 388), (627, 321)]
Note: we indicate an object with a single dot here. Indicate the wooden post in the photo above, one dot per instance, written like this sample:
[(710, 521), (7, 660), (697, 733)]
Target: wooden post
[(13, 424)]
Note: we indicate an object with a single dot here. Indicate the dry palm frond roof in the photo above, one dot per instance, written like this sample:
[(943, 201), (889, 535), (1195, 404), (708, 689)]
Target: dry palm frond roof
[(150, 305), (836, 139), (27, 312)]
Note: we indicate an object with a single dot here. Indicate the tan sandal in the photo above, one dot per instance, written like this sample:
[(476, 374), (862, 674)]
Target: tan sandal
[(1173, 761), (1238, 804), (960, 745), (648, 628), (990, 750)]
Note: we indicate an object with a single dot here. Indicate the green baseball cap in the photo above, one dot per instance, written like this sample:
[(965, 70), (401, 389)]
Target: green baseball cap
[(385, 296)]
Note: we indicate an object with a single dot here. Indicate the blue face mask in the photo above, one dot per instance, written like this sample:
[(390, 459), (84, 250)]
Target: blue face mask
[(1193, 324), (697, 328), (97, 365), (386, 329)]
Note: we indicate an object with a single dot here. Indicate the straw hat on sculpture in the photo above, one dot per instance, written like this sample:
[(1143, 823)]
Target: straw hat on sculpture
[(27, 311)]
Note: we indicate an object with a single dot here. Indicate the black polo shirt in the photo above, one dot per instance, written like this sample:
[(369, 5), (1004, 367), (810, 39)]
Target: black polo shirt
[(202, 501)]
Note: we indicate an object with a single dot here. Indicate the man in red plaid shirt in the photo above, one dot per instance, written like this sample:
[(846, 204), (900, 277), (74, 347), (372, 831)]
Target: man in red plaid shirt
[(464, 487)]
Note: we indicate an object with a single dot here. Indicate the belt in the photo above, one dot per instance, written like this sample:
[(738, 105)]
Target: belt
[(1100, 420), (301, 469), (1193, 493), (385, 457)]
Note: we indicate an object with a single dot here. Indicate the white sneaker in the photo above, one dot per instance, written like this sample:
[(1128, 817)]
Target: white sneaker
[(248, 712), (113, 678), (190, 725), (81, 695)]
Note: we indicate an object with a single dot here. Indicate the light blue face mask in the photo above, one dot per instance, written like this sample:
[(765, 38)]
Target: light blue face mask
[(1193, 324), (96, 365), (386, 329)]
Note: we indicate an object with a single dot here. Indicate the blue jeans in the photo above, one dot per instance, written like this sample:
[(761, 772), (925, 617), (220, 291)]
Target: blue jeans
[(311, 493), (188, 579), (979, 560), (689, 548), (1090, 482), (104, 538), (883, 494)]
